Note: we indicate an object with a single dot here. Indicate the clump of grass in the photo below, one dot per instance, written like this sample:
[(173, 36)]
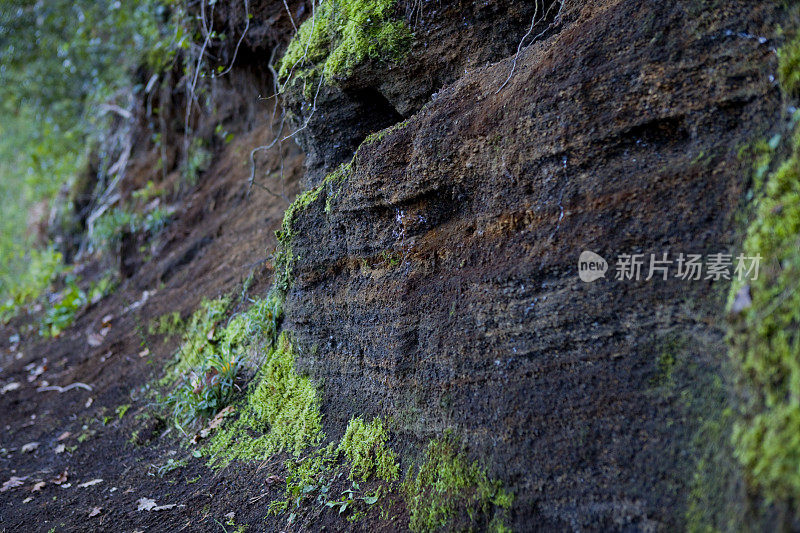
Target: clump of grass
[(206, 389), (212, 355)]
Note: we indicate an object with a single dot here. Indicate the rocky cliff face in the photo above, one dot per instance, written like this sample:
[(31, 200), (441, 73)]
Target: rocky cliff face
[(436, 281), (428, 270)]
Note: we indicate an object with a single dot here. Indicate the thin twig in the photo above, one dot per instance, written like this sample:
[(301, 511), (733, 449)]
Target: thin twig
[(534, 22), (246, 27), (192, 97), (76, 385), (290, 15)]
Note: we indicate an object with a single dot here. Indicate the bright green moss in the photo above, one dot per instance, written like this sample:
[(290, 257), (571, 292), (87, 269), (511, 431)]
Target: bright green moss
[(364, 445), (765, 341), (282, 410), (789, 66), (342, 34), (447, 488), (285, 257)]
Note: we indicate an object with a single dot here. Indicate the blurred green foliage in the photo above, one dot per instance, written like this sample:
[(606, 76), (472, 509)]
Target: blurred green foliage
[(59, 61)]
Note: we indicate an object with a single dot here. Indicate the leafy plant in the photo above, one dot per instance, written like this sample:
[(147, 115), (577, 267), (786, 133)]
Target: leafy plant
[(62, 313), (352, 498), (205, 390), (197, 160)]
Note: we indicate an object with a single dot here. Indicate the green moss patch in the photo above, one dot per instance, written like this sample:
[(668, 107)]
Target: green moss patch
[(447, 488), (765, 341), (340, 35), (281, 413), (364, 445)]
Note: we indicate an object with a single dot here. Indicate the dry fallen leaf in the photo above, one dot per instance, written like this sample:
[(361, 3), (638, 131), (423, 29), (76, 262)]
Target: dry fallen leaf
[(90, 483), (95, 511), (61, 478), (38, 486), (95, 340), (30, 447), (14, 481), (9, 387), (271, 480), (147, 504), (212, 424)]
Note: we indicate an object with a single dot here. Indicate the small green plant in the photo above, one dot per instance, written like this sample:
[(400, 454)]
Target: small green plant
[(101, 288), (307, 476), (351, 497), (197, 160), (121, 410), (205, 390), (169, 466), (62, 313)]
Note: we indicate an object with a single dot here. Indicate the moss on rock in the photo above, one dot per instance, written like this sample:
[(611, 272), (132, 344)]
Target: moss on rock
[(364, 445), (343, 33), (282, 410), (448, 487), (766, 339)]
